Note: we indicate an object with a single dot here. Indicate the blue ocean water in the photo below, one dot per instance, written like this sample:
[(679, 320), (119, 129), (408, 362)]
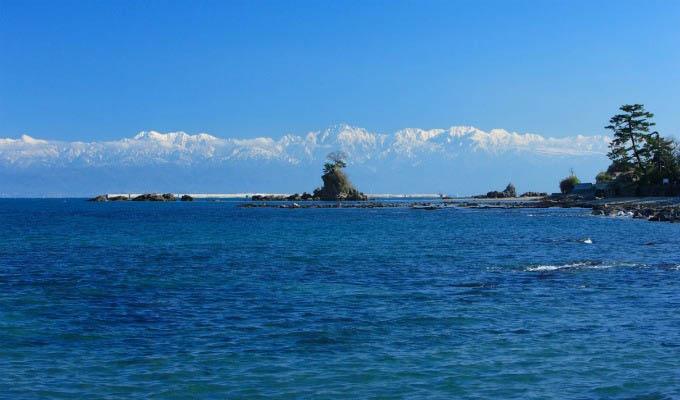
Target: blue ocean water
[(208, 300)]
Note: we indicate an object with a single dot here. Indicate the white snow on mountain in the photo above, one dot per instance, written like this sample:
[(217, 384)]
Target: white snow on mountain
[(411, 145)]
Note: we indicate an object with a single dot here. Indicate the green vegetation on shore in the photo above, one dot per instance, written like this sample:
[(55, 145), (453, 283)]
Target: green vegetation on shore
[(567, 184), (643, 162)]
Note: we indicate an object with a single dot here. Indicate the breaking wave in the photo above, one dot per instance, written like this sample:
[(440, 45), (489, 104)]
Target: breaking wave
[(580, 265)]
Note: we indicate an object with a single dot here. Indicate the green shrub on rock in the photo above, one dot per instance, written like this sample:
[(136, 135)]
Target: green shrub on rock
[(567, 184), (603, 177)]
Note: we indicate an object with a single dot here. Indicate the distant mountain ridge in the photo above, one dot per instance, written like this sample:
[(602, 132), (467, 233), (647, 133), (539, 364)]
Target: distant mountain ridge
[(399, 160)]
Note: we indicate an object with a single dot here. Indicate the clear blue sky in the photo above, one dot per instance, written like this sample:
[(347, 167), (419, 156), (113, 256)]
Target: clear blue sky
[(100, 70)]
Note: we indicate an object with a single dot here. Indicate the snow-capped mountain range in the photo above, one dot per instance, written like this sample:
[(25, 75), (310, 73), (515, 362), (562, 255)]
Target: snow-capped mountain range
[(405, 161)]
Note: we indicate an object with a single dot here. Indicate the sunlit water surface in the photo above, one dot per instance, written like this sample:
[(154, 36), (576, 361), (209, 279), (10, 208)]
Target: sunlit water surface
[(207, 300)]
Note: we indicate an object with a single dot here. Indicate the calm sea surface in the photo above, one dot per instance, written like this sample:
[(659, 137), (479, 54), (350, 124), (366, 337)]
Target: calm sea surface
[(207, 300)]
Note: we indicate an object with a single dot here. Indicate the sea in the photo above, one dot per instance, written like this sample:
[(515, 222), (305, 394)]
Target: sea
[(204, 299)]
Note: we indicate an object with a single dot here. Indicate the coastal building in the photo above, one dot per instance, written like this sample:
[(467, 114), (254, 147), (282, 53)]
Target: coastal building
[(603, 190), (589, 190), (583, 189)]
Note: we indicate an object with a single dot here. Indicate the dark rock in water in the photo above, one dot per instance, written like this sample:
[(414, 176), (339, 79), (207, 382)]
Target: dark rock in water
[(155, 197), (269, 197), (186, 197), (534, 194), (149, 197), (101, 198), (494, 195), (119, 198), (337, 187), (294, 197), (510, 190)]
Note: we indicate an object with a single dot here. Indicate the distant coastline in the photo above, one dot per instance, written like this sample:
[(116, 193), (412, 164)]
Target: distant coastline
[(249, 195)]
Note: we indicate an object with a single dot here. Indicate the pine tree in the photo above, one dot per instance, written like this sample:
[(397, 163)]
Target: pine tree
[(663, 163), (631, 137)]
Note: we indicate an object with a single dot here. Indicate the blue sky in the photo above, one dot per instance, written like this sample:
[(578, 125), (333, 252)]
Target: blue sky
[(102, 70)]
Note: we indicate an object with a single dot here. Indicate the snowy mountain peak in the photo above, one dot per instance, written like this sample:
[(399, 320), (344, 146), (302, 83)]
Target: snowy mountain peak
[(409, 160), (178, 138), (359, 144)]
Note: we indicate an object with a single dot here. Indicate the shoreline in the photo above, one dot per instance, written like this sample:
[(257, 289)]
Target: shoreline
[(656, 209), (246, 195)]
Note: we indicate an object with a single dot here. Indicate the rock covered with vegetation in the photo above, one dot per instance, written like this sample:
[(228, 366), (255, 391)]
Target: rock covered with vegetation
[(567, 184), (336, 185)]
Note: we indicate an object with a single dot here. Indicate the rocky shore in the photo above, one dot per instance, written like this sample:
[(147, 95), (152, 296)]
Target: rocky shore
[(294, 197), (654, 209), (509, 193), (144, 197), (660, 211), (361, 204)]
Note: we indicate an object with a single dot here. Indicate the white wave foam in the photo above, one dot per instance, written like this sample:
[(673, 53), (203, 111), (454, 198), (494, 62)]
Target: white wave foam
[(579, 265)]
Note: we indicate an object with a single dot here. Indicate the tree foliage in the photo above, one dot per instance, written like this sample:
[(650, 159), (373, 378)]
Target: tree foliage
[(663, 162), (603, 177), (338, 162), (567, 184), (631, 138), (635, 148)]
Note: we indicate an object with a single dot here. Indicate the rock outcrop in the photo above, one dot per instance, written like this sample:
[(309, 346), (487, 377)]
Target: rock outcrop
[(155, 197), (650, 212), (534, 194), (337, 187), (293, 197), (186, 197), (509, 192)]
